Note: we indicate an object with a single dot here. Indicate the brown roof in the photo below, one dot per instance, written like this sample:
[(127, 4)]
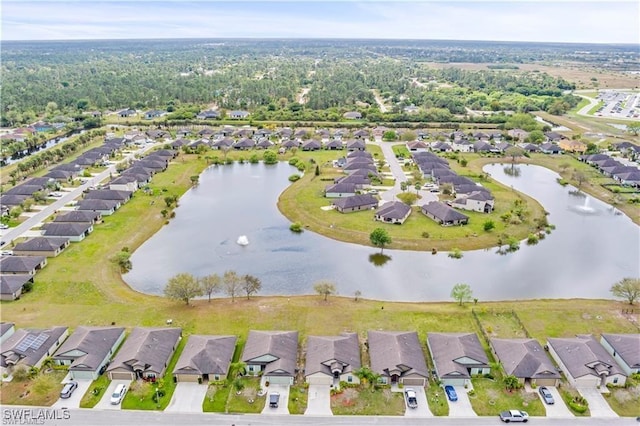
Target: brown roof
[(324, 351), (206, 355), (283, 345), (390, 350)]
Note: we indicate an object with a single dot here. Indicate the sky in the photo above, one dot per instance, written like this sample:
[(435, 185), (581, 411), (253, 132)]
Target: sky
[(597, 21)]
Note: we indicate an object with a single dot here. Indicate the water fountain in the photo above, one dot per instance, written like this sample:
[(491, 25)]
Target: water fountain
[(243, 240)]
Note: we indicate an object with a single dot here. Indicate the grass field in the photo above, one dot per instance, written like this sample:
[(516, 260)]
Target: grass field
[(366, 401), (437, 400), (490, 398), (43, 390)]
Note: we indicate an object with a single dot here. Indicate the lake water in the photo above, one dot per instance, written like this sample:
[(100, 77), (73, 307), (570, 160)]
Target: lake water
[(592, 247)]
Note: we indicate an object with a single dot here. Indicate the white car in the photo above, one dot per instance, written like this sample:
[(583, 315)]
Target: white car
[(118, 394), (4, 226)]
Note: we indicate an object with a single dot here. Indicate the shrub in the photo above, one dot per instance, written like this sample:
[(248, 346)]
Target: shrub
[(296, 227), (425, 234), (455, 253), (293, 161), (301, 166), (488, 225), (532, 239), (294, 178)]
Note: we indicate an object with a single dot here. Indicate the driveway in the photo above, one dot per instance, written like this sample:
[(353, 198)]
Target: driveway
[(105, 402), (598, 406), (319, 401), (76, 396), (559, 408), (462, 407), (283, 404), (422, 410), (187, 398)]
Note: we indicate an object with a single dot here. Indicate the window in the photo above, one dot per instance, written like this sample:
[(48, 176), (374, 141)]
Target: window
[(216, 377), (350, 379), (615, 380)]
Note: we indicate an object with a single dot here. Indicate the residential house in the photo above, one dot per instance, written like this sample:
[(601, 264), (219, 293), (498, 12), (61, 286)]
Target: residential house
[(441, 147), (157, 134), (443, 214), (273, 354), (457, 357), (208, 115), (145, 354), (340, 190), (518, 134), (239, 115), (397, 357), (361, 181), (6, 330), (179, 143), (625, 349), (88, 350), (24, 189), (125, 182), (60, 175), (183, 132), (352, 115), (334, 145), (355, 203), (628, 179), (482, 146), (550, 148), (572, 145), (478, 201), (11, 201), (12, 286), (154, 113), (41, 246), (393, 212), (526, 360), (417, 146), (104, 207), (245, 144), (585, 362), (30, 347), (126, 113), (332, 359), (361, 134), (75, 232), (301, 134), (356, 145), (531, 147), (224, 143), (205, 358), (108, 194), (22, 265), (311, 145), (79, 216)]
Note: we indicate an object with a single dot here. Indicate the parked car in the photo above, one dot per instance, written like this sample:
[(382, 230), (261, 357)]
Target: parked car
[(68, 389), (546, 395), (451, 393), (274, 398), (514, 416), (4, 226), (6, 253), (410, 395), (118, 394)]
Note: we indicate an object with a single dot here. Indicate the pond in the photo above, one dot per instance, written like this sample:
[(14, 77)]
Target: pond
[(592, 247)]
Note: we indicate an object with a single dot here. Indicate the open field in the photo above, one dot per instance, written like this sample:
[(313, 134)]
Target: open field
[(365, 401)]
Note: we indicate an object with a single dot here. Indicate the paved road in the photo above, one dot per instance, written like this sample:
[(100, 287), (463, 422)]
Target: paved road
[(15, 232), (96, 417), (585, 109)]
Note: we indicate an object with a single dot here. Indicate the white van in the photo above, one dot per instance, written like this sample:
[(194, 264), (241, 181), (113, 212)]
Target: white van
[(118, 394)]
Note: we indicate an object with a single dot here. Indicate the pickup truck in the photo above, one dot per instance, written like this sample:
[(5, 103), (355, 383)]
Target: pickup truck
[(514, 416)]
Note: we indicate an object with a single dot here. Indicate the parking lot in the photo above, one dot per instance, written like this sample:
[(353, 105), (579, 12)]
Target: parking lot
[(625, 105)]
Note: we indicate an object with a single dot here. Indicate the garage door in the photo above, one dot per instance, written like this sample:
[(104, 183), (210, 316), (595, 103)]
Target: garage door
[(546, 382), (83, 375), (121, 376), (413, 381), (279, 380), (193, 378), (453, 382), (320, 380)]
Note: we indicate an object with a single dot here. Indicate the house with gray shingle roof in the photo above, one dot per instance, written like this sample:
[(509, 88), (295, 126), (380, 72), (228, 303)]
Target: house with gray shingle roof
[(145, 354), (41, 246), (397, 357), (417, 146), (340, 190), (104, 207), (311, 145), (75, 232), (585, 362), (359, 154), (625, 348), (360, 180), (30, 347), (79, 216), (457, 357), (393, 212), (88, 350), (356, 145), (107, 194), (272, 353), (526, 360), (238, 114), (12, 286), (477, 201), (332, 359), (205, 358), (352, 115), (29, 265), (443, 214), (6, 330), (355, 203)]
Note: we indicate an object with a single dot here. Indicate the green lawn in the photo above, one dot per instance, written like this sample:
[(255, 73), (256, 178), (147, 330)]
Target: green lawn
[(44, 389), (298, 397), (490, 398), (568, 395), (95, 392), (216, 398), (625, 401), (437, 400), (364, 401), (247, 399), (502, 324)]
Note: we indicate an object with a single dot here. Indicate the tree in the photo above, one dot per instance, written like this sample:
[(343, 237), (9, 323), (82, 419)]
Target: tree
[(251, 285), (210, 284), (403, 186), (389, 135), (367, 376), (379, 238), (580, 178), (324, 288), (511, 383), (462, 293), (232, 284), (183, 287), (489, 225), (270, 157), (514, 152), (357, 294), (634, 128), (123, 260), (627, 288), (536, 136)]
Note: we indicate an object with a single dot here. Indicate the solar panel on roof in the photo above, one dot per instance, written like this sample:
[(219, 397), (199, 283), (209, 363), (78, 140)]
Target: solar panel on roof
[(26, 342), (40, 339), (32, 341)]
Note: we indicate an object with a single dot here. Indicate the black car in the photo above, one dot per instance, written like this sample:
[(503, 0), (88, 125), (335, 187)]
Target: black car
[(68, 389)]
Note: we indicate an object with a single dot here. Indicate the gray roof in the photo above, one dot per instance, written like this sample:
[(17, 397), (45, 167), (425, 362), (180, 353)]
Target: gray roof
[(393, 210), (344, 188), (360, 154), (281, 344), (450, 351), (151, 347), (524, 358), (627, 346), (12, 200), (356, 144), (9, 284), (323, 351), (390, 350), (62, 229), (355, 201), (206, 355), (93, 345), (23, 189), (5, 327), (28, 346), (443, 212), (357, 179), (41, 244), (78, 216), (20, 264), (583, 356), (108, 194), (96, 204), (480, 196)]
